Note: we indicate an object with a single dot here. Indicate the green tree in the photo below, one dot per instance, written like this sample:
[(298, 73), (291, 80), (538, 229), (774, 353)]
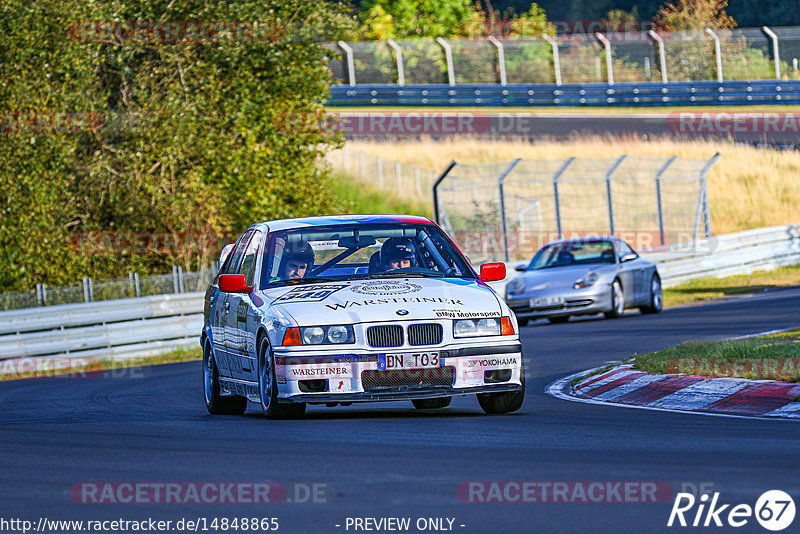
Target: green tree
[(418, 18)]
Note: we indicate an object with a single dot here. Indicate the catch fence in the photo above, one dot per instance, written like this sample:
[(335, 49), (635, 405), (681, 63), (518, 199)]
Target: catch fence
[(506, 211)]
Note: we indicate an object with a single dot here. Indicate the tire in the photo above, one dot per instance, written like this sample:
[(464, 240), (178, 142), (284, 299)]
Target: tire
[(558, 320), (506, 402), (522, 322), (432, 404), (268, 388), (617, 301), (215, 403), (656, 297)]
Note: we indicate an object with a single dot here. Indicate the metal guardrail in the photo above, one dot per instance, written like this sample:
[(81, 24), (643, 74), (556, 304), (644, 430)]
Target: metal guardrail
[(115, 329), (696, 93), (137, 327)]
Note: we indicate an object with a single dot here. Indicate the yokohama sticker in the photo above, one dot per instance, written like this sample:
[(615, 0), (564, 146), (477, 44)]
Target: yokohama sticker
[(385, 288)]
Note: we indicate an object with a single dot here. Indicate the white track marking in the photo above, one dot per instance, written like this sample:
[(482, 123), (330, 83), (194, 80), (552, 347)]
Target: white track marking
[(790, 410), (630, 386)]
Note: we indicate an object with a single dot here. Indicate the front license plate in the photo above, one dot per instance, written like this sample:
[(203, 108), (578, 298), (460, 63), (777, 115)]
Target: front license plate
[(547, 302), (412, 360)]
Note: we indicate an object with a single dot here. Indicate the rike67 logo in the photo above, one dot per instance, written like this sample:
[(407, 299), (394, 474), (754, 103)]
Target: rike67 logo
[(774, 510)]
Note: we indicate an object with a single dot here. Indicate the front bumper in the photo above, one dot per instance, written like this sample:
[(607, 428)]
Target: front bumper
[(591, 300), (361, 375)]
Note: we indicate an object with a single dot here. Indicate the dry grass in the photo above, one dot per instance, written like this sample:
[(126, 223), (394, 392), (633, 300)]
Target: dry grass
[(749, 187)]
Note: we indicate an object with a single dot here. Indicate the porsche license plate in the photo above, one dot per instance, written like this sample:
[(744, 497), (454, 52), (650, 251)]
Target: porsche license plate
[(410, 360), (547, 302)]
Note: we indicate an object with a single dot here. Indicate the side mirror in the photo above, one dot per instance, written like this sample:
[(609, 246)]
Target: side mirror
[(492, 272), (224, 254), (521, 267), (628, 257), (233, 283)]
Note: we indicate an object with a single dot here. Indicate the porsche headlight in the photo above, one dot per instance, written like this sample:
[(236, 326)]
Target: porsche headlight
[(586, 281), (516, 286), (476, 327), (324, 335)]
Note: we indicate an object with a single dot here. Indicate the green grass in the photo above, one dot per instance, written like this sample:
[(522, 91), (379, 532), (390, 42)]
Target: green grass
[(362, 198), (712, 288), (771, 357), (108, 365), (587, 110)]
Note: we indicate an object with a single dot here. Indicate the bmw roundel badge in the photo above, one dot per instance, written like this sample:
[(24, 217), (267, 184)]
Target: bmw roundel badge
[(402, 312)]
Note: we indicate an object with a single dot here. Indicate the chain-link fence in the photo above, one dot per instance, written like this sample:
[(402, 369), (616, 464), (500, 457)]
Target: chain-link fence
[(744, 54), (89, 290), (506, 211), (401, 179)]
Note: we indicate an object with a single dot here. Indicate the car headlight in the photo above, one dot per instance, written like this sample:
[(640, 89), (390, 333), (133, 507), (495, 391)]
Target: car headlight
[(586, 281), (324, 335), (476, 327), (516, 286)]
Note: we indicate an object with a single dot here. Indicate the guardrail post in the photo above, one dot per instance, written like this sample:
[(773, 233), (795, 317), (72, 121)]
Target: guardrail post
[(775, 51), (556, 198), (134, 278), (659, 203), (41, 294), (398, 177), (88, 290), (556, 62), (176, 285), (702, 199), (609, 63), (448, 56), (503, 220), (380, 173), (351, 69), (501, 58), (398, 52), (435, 192), (609, 197), (662, 56), (717, 53)]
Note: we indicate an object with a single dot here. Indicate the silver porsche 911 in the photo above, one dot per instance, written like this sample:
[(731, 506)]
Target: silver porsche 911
[(584, 276)]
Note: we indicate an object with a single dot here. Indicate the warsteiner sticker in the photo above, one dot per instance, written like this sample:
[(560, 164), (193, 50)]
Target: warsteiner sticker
[(310, 293), (348, 304), (385, 288)]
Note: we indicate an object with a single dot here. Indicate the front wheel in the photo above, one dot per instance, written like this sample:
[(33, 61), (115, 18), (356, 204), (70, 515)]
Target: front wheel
[(656, 297), (617, 301), (216, 404), (268, 388), (432, 404), (507, 402)]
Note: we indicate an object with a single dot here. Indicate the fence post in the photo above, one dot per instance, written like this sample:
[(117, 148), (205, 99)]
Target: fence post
[(88, 290), (609, 197), (662, 55), (398, 177), (775, 51), (401, 77), (702, 200), (175, 282), (557, 200), (660, 205), (380, 173), (609, 63), (136, 285), (556, 62), (717, 53), (503, 220), (448, 56), (41, 294), (501, 58), (351, 69), (434, 189)]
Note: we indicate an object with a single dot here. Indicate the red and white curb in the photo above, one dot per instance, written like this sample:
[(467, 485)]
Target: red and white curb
[(732, 397)]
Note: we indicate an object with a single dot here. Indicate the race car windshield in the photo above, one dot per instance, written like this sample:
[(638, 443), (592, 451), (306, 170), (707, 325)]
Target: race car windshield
[(359, 251), (574, 253)]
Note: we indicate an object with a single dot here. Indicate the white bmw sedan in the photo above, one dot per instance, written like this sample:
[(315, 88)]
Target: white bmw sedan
[(342, 309)]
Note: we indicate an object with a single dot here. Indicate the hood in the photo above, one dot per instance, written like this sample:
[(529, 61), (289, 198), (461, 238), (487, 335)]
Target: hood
[(360, 301), (561, 276)]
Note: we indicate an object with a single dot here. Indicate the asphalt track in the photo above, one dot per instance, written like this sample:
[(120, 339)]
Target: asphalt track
[(384, 460)]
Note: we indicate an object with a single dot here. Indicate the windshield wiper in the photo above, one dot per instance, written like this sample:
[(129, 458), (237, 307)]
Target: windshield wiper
[(405, 275), (295, 281)]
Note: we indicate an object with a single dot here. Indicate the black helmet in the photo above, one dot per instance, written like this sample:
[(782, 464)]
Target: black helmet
[(397, 249), (301, 251)]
